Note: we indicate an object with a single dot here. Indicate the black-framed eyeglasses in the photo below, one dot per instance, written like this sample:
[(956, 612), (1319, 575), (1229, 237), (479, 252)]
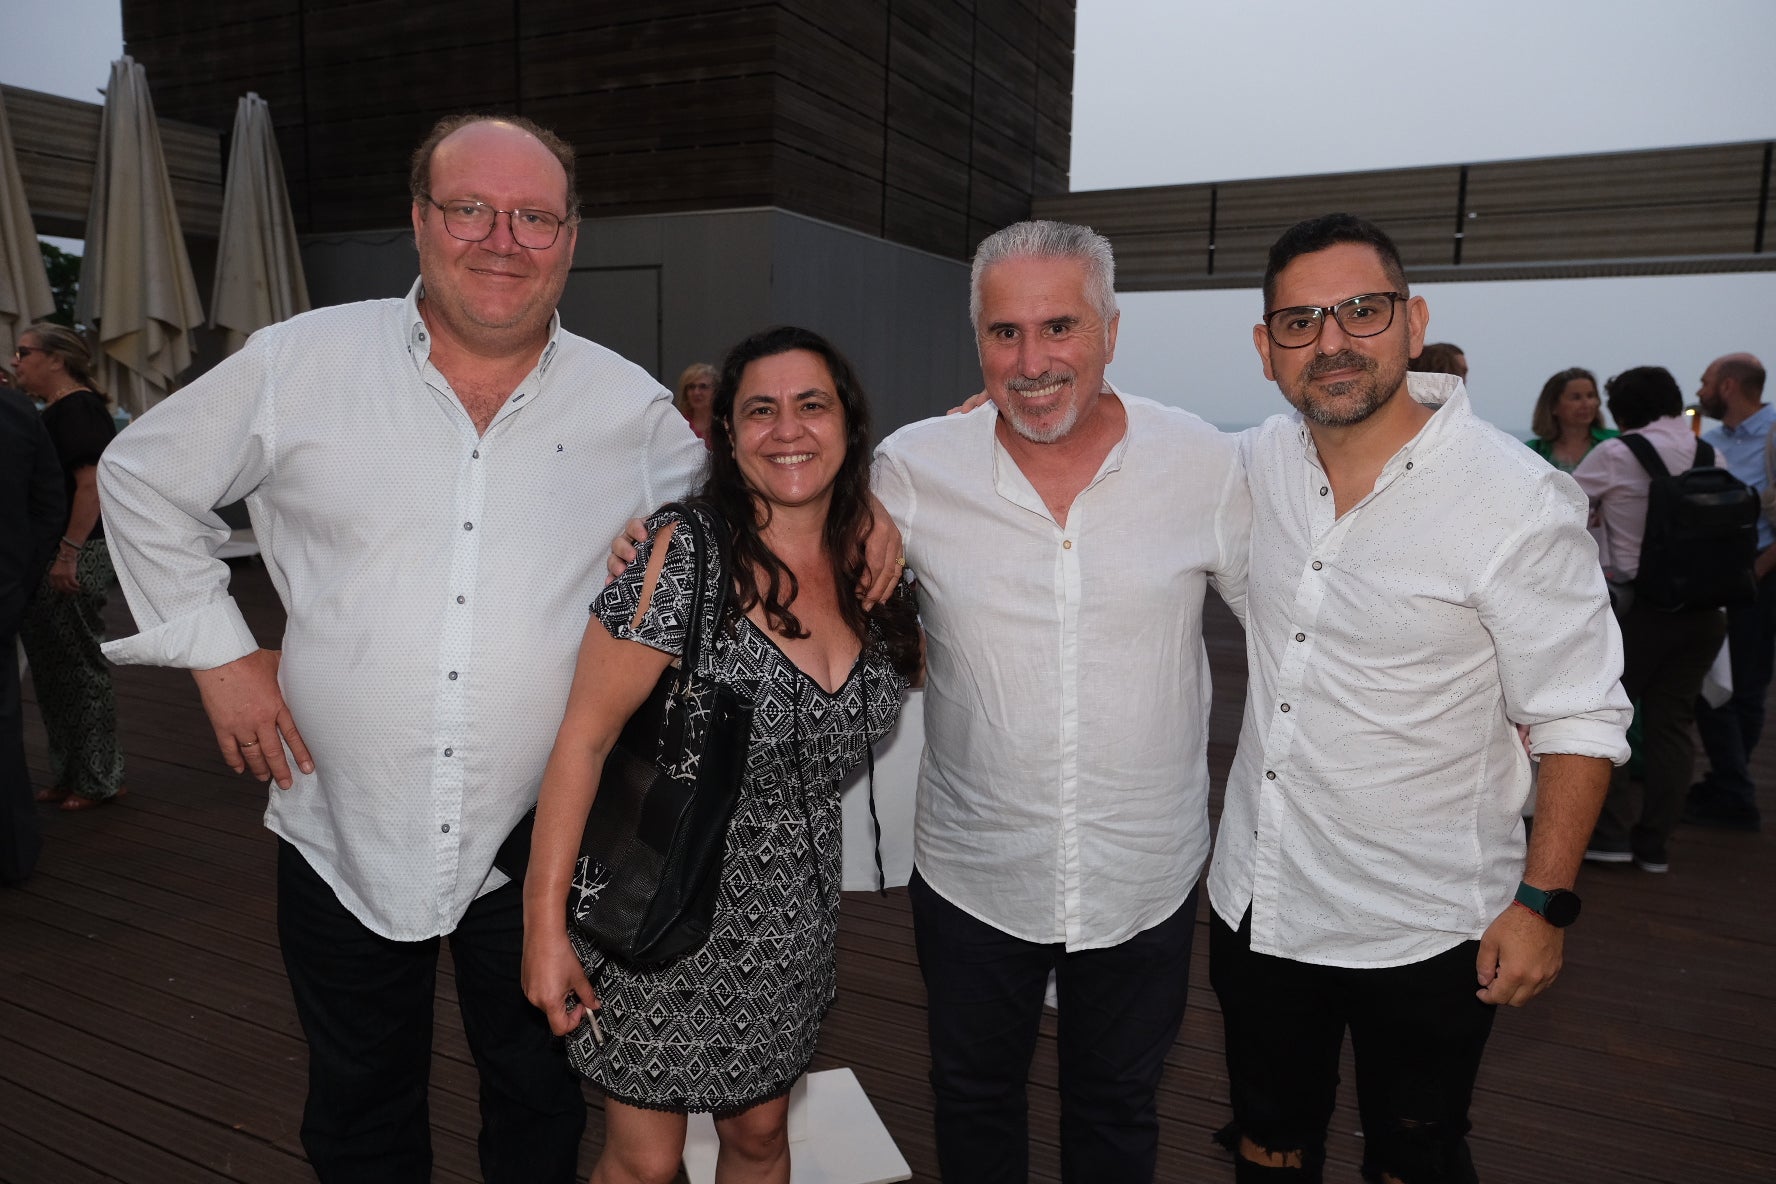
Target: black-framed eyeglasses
[(1360, 316), (25, 351), (473, 221)]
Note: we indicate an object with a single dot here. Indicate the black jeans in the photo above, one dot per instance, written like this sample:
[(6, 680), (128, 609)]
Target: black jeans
[(1730, 732), (1666, 656), (1417, 1032), (366, 1007), (1120, 1009)]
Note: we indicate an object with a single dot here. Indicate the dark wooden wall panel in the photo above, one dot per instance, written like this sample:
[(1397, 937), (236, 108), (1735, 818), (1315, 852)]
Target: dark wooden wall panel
[(929, 122)]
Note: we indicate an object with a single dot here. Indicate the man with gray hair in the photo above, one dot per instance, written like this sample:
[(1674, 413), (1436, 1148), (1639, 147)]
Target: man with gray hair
[(1063, 537)]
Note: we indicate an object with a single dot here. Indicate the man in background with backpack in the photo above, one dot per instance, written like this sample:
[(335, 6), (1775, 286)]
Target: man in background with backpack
[(1733, 392), (1667, 650)]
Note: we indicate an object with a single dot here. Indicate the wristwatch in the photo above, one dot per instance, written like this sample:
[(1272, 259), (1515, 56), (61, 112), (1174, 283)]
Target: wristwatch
[(1557, 906)]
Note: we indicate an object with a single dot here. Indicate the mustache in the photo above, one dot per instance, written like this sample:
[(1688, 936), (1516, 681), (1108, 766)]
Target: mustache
[(1342, 360), (1045, 379)]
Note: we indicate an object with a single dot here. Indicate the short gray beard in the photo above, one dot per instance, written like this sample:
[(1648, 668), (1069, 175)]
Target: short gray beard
[(1028, 430)]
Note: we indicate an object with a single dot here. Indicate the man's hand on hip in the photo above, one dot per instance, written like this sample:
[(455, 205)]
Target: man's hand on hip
[(1519, 957), (252, 721)]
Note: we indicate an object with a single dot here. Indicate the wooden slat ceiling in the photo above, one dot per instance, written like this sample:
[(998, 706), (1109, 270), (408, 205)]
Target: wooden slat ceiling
[(1663, 212), (57, 139)]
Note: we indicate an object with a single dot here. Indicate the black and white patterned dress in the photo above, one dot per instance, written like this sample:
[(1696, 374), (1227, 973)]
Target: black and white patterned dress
[(735, 1022)]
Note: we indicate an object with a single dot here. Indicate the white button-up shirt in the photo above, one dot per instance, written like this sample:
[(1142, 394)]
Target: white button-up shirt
[(1373, 814), (1064, 787), (1616, 483), (436, 581)]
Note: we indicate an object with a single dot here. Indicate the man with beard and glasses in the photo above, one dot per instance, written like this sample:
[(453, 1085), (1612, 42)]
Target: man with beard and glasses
[(1063, 539), (1419, 584)]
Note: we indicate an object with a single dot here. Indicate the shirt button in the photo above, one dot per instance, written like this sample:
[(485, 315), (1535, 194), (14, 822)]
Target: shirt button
[(450, 752), (471, 526), (422, 334), (453, 676), (1301, 637), (1316, 565), (475, 455), (1066, 544), (446, 828), (1408, 464), (1322, 491), (1269, 776), (459, 600), (1285, 707)]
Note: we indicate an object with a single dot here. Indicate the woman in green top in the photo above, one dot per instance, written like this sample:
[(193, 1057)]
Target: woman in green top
[(1568, 419)]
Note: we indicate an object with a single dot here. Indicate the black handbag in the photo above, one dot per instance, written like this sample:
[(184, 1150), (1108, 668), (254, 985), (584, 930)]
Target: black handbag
[(649, 870)]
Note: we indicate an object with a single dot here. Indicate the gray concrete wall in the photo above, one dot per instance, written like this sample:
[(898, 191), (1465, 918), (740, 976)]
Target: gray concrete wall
[(668, 290)]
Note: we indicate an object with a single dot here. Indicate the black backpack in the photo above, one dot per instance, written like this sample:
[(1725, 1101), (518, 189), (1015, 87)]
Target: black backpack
[(1701, 533)]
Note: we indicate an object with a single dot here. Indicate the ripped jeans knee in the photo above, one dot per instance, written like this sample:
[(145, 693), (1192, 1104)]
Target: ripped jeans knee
[(1409, 1152), (1277, 1161)]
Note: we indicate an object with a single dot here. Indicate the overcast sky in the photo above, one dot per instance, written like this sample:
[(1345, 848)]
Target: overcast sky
[(1174, 91)]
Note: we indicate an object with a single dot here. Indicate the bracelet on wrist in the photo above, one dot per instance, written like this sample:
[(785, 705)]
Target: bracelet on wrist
[(68, 542)]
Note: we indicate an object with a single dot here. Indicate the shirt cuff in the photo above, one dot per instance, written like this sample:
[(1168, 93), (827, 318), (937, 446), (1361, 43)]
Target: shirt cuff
[(1580, 737), (213, 636)]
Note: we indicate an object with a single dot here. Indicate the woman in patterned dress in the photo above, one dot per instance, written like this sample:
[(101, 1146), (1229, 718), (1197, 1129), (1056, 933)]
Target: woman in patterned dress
[(729, 1027), (64, 627)]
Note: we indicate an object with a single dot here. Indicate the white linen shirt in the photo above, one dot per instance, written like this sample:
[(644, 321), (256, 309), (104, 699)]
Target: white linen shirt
[(1373, 814), (1063, 791), (436, 582), (1616, 484)]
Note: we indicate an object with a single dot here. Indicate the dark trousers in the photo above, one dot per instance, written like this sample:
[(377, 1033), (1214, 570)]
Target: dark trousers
[(1120, 1009), (366, 1007), (21, 836), (1730, 732), (1417, 1032), (1666, 656)]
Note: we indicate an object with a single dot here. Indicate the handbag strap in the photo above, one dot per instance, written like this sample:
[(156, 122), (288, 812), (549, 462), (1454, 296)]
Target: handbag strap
[(705, 544)]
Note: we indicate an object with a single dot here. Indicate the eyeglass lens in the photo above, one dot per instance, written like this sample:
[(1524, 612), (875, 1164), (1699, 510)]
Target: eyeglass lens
[(473, 221), (1360, 316)]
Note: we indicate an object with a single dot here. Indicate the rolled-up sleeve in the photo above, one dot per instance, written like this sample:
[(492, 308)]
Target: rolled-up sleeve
[(160, 482), (1559, 649)]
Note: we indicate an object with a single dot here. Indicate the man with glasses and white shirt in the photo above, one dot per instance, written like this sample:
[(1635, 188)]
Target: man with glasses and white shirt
[(433, 481), (1419, 585), (1063, 538)]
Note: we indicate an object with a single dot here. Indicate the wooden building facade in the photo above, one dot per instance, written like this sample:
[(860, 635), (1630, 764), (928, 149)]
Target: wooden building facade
[(928, 123)]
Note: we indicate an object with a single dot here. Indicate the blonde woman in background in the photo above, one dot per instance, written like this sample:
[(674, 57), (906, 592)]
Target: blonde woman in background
[(64, 626), (695, 396)]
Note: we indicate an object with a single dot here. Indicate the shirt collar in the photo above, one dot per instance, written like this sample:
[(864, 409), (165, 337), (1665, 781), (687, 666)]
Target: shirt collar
[(1443, 393), (1018, 490), (419, 338), (1755, 424)]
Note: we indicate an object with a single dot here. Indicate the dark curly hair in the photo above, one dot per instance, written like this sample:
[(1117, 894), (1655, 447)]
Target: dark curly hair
[(759, 576)]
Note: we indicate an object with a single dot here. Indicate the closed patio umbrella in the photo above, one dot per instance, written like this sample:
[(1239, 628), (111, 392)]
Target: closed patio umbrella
[(136, 286), (24, 285), (259, 278)]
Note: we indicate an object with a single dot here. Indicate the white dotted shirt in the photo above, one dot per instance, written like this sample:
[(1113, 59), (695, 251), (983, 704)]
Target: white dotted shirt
[(1373, 814), (436, 581)]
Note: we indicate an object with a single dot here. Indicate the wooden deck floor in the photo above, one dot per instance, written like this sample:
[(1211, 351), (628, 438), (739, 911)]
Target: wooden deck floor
[(147, 1035)]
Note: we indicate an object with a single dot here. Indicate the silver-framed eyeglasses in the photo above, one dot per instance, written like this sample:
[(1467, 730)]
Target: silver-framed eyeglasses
[(473, 221), (1360, 316)]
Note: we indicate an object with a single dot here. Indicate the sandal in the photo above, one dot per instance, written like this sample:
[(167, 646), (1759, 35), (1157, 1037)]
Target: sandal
[(54, 793), (74, 802)]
